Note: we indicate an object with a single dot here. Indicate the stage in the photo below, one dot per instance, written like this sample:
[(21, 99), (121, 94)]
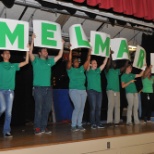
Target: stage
[(107, 139)]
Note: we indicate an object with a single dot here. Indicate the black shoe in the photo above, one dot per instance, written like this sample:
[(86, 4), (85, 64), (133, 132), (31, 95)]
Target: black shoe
[(8, 135), (93, 127)]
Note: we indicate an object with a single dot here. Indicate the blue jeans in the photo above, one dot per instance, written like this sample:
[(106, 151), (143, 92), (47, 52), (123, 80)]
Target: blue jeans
[(43, 104), (6, 103), (95, 101), (78, 98)]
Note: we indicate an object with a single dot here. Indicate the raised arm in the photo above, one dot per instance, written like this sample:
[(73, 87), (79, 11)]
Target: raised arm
[(32, 57), (87, 62), (139, 75), (26, 60), (56, 58), (69, 63), (147, 71), (103, 64)]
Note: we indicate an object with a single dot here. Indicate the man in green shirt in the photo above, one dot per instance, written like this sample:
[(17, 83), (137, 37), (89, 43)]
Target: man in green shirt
[(127, 82), (7, 85), (42, 86)]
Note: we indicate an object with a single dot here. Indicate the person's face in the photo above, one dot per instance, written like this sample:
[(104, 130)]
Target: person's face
[(6, 55), (129, 69), (93, 64), (43, 53), (76, 63)]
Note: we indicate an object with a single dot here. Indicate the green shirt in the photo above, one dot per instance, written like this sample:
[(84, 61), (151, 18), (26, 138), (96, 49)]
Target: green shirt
[(94, 79), (7, 75), (131, 88), (77, 78), (42, 71), (112, 77), (148, 85)]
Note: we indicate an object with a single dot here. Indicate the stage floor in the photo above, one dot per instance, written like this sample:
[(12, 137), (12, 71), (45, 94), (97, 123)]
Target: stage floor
[(24, 137)]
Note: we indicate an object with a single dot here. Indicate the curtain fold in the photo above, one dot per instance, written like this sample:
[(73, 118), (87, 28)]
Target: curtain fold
[(137, 8)]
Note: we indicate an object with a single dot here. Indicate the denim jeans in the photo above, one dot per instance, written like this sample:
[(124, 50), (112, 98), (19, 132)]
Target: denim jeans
[(78, 98), (95, 100), (6, 103), (43, 104)]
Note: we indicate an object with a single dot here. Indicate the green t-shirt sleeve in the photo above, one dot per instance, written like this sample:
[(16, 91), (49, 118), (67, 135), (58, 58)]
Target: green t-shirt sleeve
[(123, 78), (82, 68), (51, 61), (99, 70), (69, 70), (35, 60), (16, 65)]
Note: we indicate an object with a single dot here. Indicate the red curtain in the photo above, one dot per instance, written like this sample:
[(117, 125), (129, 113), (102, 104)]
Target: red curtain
[(137, 8)]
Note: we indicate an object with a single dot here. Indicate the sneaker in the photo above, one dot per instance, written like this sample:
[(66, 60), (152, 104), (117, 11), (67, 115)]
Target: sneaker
[(81, 129), (100, 126), (74, 129), (8, 135), (46, 131), (37, 131), (93, 127)]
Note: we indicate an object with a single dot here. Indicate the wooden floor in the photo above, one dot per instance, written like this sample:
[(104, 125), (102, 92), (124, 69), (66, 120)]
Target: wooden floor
[(24, 137)]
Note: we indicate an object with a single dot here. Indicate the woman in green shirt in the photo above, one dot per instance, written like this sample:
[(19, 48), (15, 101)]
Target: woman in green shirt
[(94, 90), (147, 92), (113, 91), (127, 82), (7, 86), (77, 89)]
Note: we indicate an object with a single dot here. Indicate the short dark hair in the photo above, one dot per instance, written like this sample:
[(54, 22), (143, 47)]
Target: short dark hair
[(5, 51)]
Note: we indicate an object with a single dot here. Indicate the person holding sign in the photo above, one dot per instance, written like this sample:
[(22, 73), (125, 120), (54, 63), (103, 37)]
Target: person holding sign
[(42, 87), (77, 89), (127, 82), (95, 92), (7, 85), (147, 92), (113, 91)]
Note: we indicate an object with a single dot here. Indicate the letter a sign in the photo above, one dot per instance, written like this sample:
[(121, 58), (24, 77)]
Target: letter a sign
[(14, 35), (120, 48)]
